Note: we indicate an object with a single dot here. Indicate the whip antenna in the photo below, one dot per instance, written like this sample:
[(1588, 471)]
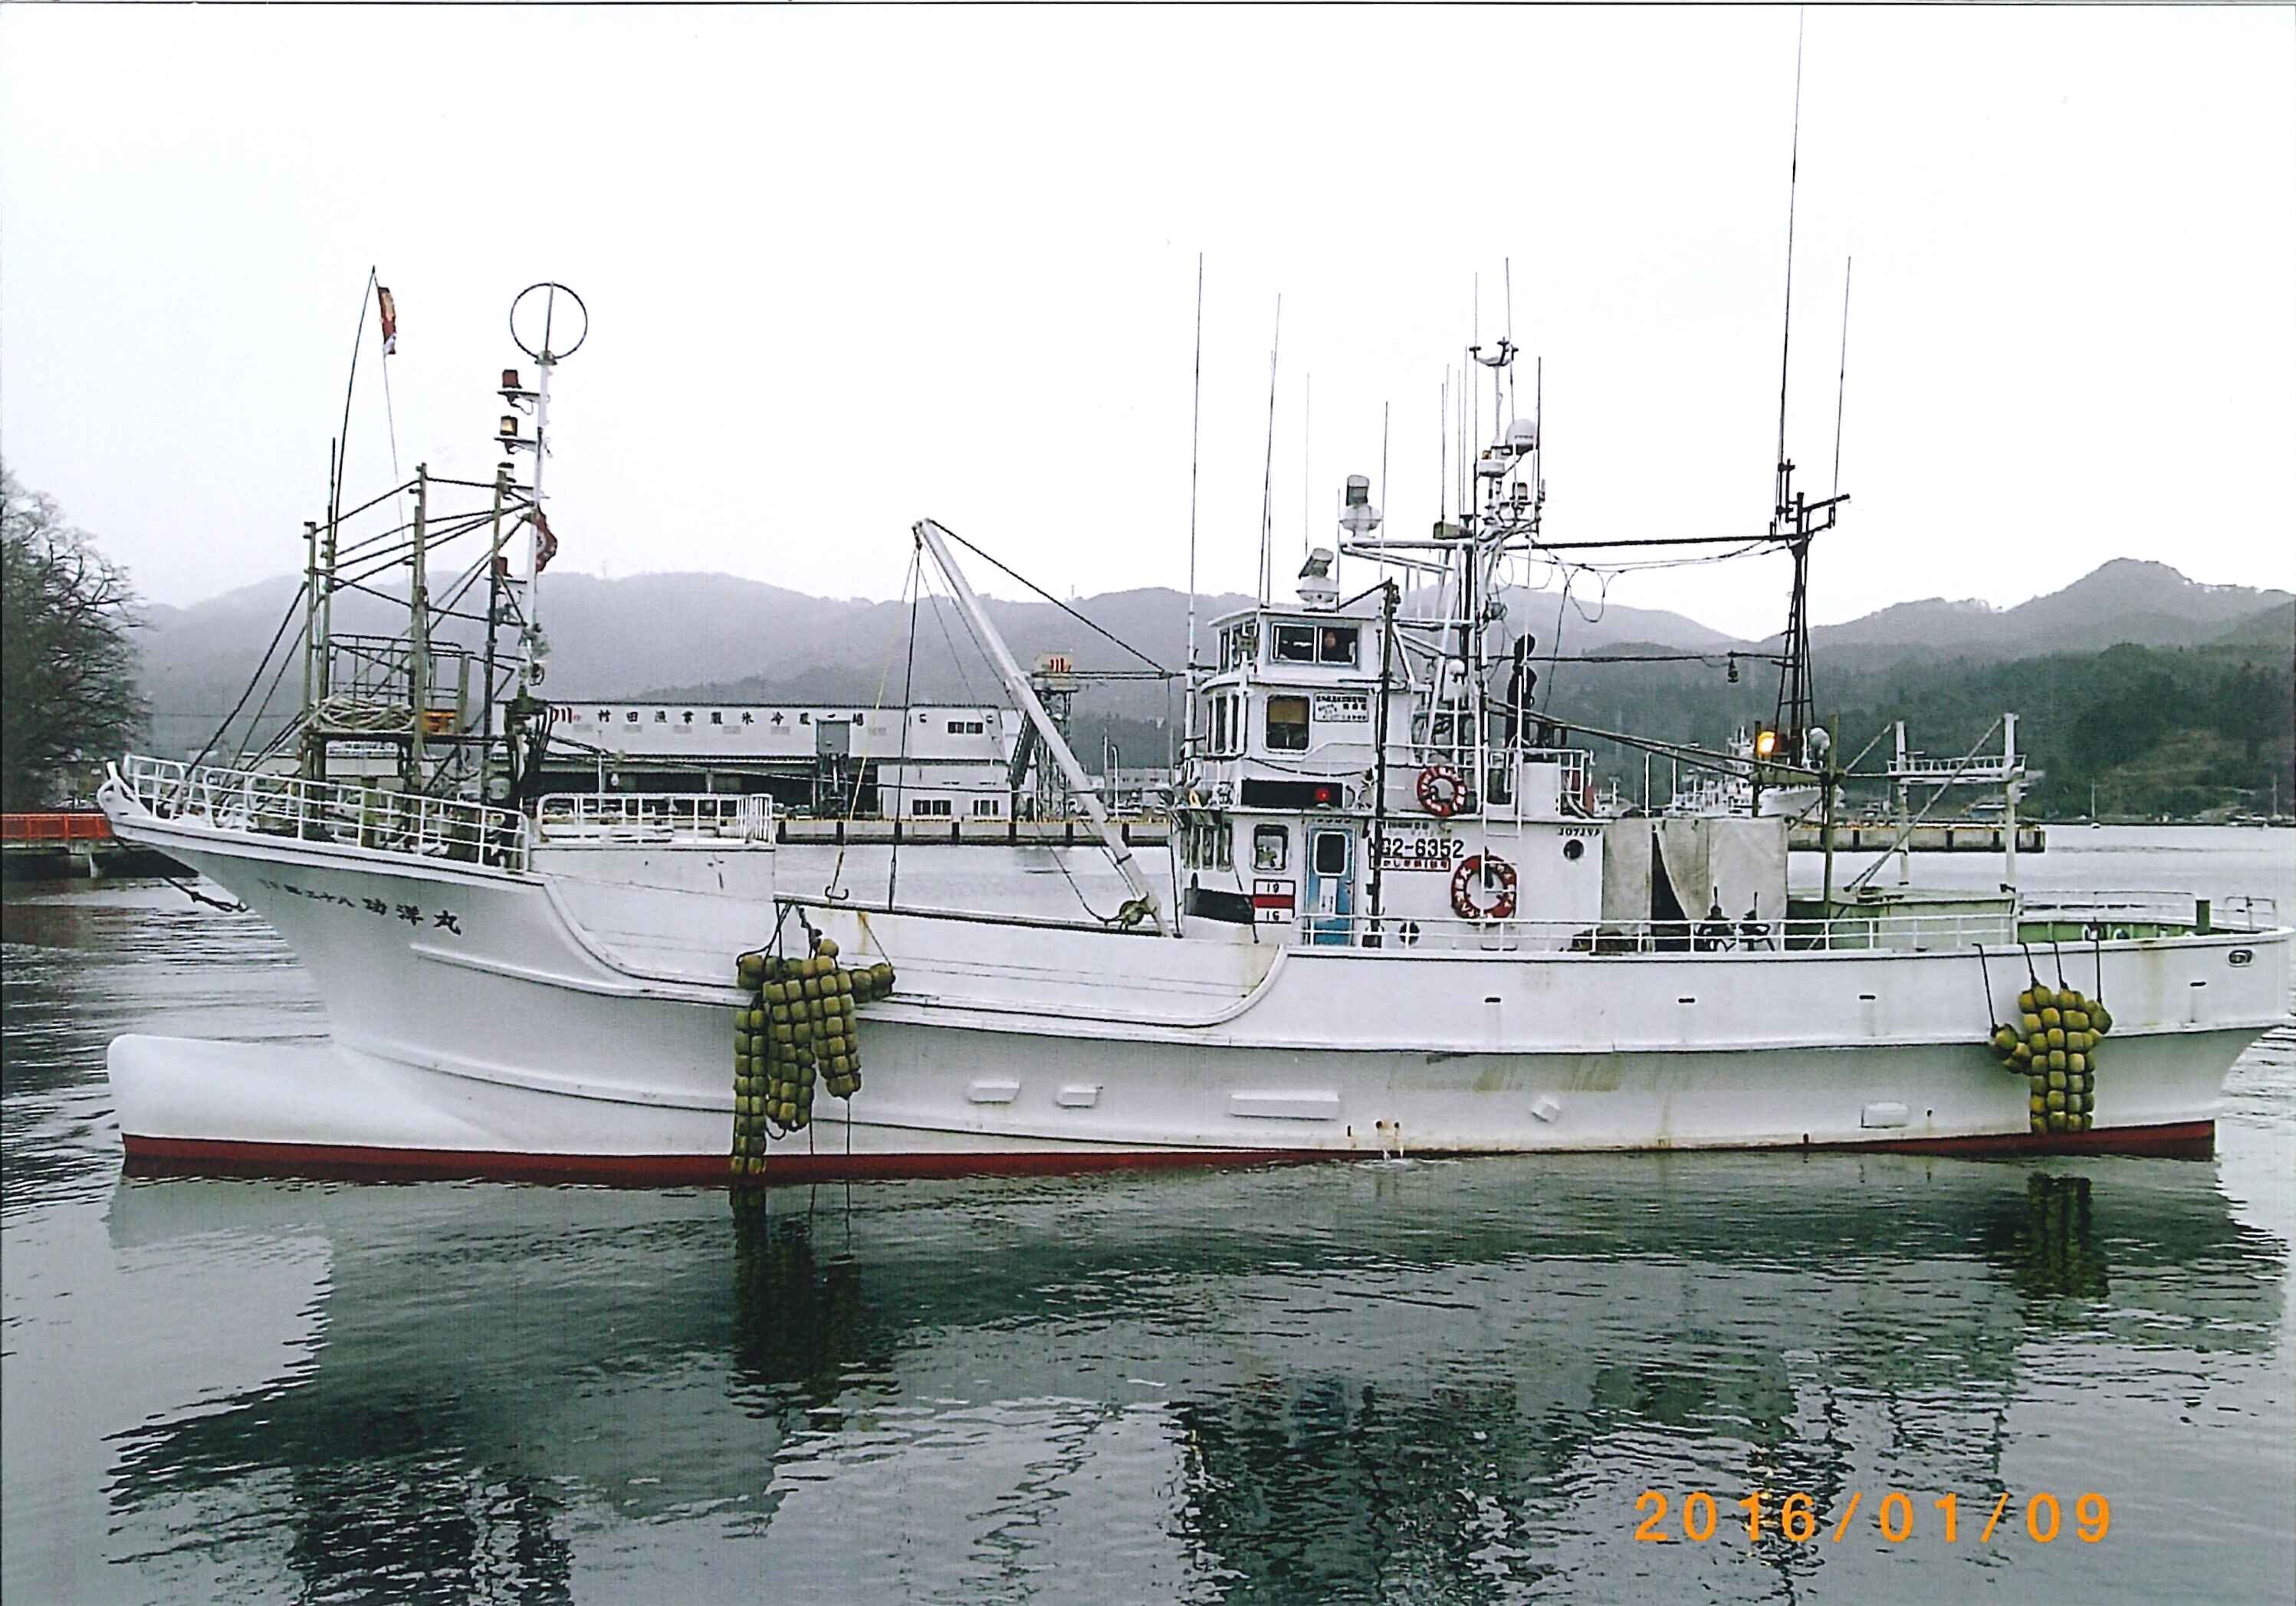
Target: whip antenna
[(1268, 472), (1785, 337), (1841, 380), (1195, 438)]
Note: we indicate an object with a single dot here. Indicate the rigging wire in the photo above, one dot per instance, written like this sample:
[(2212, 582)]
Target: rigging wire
[(1080, 618), (908, 706), (837, 871), (255, 720), (940, 620), (277, 636), (1058, 863)]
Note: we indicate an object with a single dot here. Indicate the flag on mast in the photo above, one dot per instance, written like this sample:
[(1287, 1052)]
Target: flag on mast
[(390, 319), (545, 544)]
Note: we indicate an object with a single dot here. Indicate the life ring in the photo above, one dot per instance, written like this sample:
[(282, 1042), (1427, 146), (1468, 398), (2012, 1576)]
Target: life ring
[(1482, 869), (1442, 791)]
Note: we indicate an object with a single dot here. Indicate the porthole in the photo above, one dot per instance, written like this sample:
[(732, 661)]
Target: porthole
[(1574, 849)]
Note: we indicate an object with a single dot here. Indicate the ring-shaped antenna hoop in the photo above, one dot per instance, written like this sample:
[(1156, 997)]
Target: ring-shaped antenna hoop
[(549, 320)]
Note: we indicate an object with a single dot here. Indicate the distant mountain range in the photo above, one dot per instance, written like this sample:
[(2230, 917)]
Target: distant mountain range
[(712, 637), (2126, 599)]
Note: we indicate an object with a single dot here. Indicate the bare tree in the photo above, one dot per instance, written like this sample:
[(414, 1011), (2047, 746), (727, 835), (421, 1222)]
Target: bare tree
[(67, 695)]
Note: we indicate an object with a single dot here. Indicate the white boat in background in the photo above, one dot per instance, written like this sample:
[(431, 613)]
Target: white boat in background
[(1395, 921)]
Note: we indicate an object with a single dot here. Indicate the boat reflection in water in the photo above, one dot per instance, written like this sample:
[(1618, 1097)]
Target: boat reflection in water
[(1310, 1384)]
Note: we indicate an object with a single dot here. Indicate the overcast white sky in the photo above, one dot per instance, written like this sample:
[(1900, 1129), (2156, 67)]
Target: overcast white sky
[(849, 268)]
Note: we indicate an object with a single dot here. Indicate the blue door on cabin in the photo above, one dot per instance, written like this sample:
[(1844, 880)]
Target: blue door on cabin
[(1330, 877)]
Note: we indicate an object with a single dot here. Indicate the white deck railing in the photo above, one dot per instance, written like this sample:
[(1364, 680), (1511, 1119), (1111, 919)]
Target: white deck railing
[(2148, 910), (256, 804), (602, 819), (2104, 916)]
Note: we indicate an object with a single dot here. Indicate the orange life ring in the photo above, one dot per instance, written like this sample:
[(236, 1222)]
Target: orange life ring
[(1484, 869), (1442, 791)]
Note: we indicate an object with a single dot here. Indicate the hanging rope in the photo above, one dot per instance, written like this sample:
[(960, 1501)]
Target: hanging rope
[(284, 620), (884, 676)]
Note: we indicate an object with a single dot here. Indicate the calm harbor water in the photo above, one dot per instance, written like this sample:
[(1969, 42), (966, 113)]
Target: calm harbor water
[(1425, 1381)]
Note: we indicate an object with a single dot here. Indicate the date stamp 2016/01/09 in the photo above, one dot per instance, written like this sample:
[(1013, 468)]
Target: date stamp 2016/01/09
[(1796, 1518)]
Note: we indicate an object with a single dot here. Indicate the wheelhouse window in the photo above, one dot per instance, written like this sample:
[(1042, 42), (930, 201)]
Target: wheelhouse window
[(1295, 643), (1287, 725), (1336, 644), (1225, 722), (1271, 846)]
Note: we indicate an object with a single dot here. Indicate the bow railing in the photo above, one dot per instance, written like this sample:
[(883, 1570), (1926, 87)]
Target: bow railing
[(718, 819), (256, 803)]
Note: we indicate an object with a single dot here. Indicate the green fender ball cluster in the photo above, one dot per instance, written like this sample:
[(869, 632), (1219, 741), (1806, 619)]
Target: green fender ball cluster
[(2053, 1044), (796, 1033)]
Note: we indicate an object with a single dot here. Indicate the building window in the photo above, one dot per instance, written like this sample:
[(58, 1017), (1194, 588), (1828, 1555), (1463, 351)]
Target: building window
[(1336, 644), (1287, 725), (924, 809), (1271, 846), (986, 808), (1295, 643)]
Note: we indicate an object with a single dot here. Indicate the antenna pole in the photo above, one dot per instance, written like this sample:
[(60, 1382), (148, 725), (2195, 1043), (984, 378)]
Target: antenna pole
[(494, 614), (418, 631), (1307, 448), (1508, 268), (1841, 380), (1382, 483), (1443, 448), (1785, 339), (1195, 438), (1267, 472), (533, 632), (343, 440)]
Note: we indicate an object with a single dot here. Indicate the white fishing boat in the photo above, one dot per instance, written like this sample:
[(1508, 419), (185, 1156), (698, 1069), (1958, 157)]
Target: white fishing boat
[(1395, 921)]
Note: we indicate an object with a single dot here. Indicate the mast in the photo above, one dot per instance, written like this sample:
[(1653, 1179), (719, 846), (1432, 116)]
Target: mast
[(418, 632), (1195, 435), (494, 614), (540, 543), (1386, 590), (932, 537), (1793, 518)]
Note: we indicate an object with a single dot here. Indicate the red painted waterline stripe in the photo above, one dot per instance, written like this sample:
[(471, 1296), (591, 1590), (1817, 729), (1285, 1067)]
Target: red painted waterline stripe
[(150, 1156)]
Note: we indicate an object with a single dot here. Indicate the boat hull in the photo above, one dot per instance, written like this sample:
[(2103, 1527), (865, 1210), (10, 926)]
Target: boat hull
[(529, 1033)]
